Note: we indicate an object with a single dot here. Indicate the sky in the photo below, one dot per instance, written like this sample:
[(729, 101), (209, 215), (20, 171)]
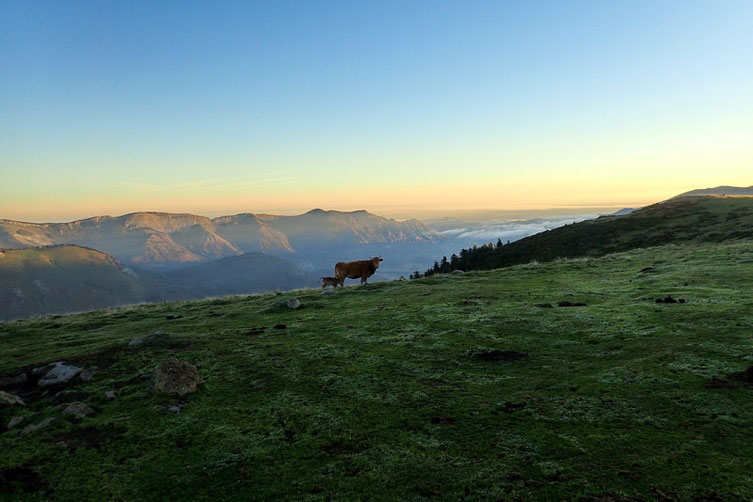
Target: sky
[(401, 108)]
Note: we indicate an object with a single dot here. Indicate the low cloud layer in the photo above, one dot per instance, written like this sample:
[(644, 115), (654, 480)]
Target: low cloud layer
[(483, 232)]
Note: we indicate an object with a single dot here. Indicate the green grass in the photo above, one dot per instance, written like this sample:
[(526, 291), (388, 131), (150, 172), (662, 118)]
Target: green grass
[(377, 392)]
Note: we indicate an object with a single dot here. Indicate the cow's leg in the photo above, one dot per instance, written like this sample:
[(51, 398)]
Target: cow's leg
[(363, 279)]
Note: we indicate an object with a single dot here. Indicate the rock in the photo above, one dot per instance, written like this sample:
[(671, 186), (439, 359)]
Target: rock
[(88, 373), (175, 377), (77, 410), (293, 303), (10, 399), (173, 409), (139, 341), (109, 395), (60, 373), (457, 272), (16, 380), (14, 422), (36, 427), (328, 291), (43, 369)]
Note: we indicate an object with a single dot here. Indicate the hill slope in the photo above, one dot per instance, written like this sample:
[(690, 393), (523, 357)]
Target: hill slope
[(458, 387), (720, 190), (63, 279), (699, 219), (67, 278)]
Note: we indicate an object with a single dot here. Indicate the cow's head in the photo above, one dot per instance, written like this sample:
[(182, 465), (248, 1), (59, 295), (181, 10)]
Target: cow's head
[(375, 260)]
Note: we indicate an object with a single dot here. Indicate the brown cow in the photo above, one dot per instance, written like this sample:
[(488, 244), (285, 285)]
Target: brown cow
[(355, 269), (329, 281)]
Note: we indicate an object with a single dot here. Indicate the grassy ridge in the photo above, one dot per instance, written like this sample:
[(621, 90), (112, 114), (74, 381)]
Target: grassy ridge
[(682, 219), (392, 390)]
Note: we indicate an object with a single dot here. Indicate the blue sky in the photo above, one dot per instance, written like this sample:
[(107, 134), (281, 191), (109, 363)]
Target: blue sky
[(216, 107)]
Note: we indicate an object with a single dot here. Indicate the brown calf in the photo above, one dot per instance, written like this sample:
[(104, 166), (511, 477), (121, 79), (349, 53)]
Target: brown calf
[(355, 269), (329, 281)]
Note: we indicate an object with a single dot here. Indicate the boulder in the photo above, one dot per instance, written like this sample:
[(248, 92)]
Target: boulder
[(35, 427), (14, 422), (293, 303), (11, 381), (60, 373), (88, 373), (10, 399), (109, 395), (139, 341), (173, 376), (77, 410)]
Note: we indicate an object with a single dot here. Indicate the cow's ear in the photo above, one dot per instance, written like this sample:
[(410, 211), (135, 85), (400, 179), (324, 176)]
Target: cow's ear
[(381, 259)]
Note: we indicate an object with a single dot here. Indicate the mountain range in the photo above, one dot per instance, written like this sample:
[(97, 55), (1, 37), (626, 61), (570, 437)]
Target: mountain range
[(164, 240)]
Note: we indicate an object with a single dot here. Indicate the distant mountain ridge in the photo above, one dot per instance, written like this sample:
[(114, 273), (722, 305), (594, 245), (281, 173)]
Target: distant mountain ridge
[(154, 239), (720, 190)]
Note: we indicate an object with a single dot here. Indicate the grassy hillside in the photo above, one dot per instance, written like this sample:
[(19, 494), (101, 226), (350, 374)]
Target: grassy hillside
[(250, 272), (697, 219), (61, 279), (452, 387)]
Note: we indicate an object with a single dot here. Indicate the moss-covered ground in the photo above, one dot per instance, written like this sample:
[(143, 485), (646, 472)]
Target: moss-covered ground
[(449, 387)]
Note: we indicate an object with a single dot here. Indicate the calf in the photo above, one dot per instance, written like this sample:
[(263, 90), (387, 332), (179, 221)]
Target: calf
[(355, 269), (329, 281)]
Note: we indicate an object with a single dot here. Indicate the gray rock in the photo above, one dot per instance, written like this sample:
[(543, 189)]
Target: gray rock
[(10, 399), (44, 369), (77, 410), (35, 427), (110, 395), (60, 373), (173, 409), (293, 303), (88, 373), (16, 380), (175, 377), (139, 341), (328, 291), (14, 422)]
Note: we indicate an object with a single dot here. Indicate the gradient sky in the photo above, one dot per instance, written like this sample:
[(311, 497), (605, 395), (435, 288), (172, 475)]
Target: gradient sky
[(400, 108)]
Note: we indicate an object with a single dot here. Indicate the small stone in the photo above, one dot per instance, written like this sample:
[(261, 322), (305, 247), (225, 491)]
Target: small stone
[(88, 373), (35, 427), (293, 303), (153, 335), (173, 376), (10, 399), (60, 373), (14, 422), (135, 341), (16, 380), (43, 369), (110, 395), (77, 410), (173, 409)]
